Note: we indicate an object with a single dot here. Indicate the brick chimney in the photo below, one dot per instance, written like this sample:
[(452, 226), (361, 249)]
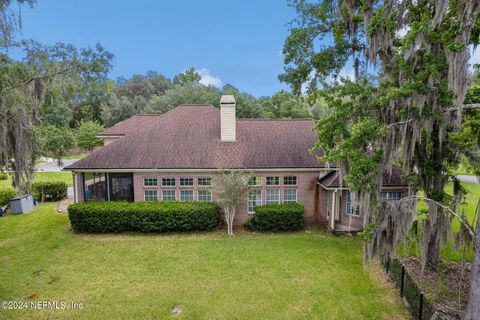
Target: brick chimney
[(228, 130)]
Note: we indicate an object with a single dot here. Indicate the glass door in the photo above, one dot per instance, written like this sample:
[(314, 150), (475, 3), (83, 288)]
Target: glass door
[(121, 186)]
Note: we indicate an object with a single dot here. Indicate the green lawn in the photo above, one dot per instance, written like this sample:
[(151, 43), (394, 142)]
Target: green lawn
[(449, 252), (470, 206), (135, 276), (44, 176), (75, 156)]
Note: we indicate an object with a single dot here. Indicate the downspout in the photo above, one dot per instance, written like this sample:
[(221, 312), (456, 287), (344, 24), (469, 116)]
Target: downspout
[(332, 215), (107, 177)]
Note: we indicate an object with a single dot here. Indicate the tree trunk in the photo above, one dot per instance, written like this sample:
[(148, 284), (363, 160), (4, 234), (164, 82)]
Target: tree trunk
[(232, 217), (430, 238), (433, 183), (472, 311), (229, 216)]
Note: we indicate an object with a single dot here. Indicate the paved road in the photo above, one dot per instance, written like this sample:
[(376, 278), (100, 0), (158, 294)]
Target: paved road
[(471, 179), (52, 166)]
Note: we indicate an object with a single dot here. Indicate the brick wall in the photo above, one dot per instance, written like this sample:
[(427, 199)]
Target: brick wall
[(316, 200), (325, 205), (307, 190)]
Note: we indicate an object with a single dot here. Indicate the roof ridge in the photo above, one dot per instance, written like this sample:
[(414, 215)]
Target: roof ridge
[(195, 105), (276, 119)]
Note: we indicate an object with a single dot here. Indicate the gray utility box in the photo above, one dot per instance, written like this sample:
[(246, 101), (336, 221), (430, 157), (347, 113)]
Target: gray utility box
[(21, 204)]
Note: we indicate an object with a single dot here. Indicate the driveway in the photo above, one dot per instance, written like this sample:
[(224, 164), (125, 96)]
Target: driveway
[(52, 166), (470, 179)]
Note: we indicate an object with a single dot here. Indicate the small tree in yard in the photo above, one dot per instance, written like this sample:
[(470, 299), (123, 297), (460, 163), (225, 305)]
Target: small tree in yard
[(232, 188), (86, 134)]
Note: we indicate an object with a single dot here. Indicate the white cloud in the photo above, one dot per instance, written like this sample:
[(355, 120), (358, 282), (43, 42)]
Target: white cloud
[(209, 79)]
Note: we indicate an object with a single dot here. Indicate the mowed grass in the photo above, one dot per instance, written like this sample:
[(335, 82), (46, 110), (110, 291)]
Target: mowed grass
[(210, 276), (65, 176), (449, 252), (470, 206)]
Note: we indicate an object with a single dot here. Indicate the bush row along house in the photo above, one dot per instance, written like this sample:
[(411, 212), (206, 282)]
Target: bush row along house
[(176, 156)]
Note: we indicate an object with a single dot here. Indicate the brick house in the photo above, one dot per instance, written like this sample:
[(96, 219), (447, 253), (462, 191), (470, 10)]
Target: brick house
[(176, 156)]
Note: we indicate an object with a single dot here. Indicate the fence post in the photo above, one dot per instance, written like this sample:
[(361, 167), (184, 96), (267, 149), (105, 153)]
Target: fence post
[(420, 307), (402, 281)]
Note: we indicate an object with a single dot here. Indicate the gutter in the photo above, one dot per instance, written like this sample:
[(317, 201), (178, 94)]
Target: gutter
[(193, 169)]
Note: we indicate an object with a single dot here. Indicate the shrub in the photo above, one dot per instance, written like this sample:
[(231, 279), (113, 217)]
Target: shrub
[(277, 217), (3, 176), (143, 216), (6, 195), (49, 191)]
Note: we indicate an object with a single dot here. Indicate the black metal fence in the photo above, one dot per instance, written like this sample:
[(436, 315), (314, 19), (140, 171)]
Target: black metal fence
[(419, 306)]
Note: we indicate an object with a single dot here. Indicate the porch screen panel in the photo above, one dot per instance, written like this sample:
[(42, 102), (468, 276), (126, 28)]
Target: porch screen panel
[(95, 187)]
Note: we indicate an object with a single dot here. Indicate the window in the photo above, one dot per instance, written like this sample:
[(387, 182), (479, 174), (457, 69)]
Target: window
[(186, 181), (205, 195), (205, 181), (349, 207), (291, 181), (254, 200), (168, 195), (255, 181), (168, 182), (186, 195), (150, 195), (272, 196), (290, 196), (121, 186), (389, 196), (273, 181), (150, 182), (95, 187)]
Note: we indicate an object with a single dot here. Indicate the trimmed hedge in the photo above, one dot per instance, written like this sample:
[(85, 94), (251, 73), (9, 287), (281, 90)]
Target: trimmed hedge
[(277, 217), (104, 217), (6, 195), (49, 191)]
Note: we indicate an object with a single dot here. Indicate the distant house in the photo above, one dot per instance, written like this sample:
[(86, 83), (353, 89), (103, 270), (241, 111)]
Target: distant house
[(175, 157)]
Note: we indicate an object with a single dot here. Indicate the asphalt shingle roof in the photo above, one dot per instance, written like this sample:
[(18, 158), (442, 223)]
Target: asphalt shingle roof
[(332, 179), (188, 137)]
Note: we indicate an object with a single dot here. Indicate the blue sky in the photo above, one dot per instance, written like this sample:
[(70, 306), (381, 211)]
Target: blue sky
[(237, 42)]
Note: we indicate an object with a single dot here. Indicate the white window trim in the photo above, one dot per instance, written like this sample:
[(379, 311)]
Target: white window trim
[(258, 181), (193, 195), (279, 196), (390, 192), (248, 200), (296, 195), (204, 185), (290, 185), (150, 178), (198, 195), (168, 186), (272, 185), (351, 208), (175, 192), (144, 195), (186, 185)]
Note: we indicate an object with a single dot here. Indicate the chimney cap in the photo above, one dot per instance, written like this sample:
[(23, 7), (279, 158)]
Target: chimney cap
[(227, 99)]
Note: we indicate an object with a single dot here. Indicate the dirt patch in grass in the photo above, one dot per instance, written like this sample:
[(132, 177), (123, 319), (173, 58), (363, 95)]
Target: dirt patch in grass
[(446, 289), (62, 206)]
